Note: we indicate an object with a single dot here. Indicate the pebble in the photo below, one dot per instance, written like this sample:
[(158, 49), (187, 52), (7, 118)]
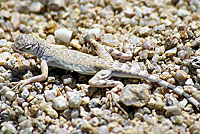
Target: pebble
[(95, 31), (159, 28), (5, 55), (50, 94), (136, 95), (143, 54), (63, 34), (103, 129), (36, 7), (94, 121), (75, 101), (25, 93), (144, 31), (8, 127), (15, 20), (94, 102), (74, 113), (189, 82), (177, 119), (10, 95), (60, 103), (49, 110), (182, 12), (173, 37), (67, 79), (51, 79), (171, 52), (75, 43), (196, 42), (181, 75), (194, 129), (110, 40)]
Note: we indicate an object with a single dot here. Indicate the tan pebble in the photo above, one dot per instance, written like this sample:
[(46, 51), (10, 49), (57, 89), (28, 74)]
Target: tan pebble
[(34, 109), (83, 112), (171, 52), (5, 55), (173, 110), (51, 27), (194, 128), (48, 109), (160, 50), (87, 128), (75, 43), (47, 119), (50, 39), (51, 112), (190, 89), (30, 97), (85, 101), (135, 95), (165, 75), (1, 78), (15, 20), (51, 79), (144, 31), (27, 113), (109, 29), (197, 52), (181, 75)]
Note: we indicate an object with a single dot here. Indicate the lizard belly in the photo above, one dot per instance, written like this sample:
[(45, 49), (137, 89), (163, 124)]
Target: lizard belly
[(82, 69)]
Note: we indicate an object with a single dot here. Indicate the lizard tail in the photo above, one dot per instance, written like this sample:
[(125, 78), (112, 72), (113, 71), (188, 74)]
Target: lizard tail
[(178, 90)]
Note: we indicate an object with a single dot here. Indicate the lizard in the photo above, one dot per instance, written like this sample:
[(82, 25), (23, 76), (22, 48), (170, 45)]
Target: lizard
[(103, 67)]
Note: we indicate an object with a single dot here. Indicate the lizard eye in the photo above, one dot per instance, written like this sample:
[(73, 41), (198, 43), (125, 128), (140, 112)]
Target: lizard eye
[(28, 47)]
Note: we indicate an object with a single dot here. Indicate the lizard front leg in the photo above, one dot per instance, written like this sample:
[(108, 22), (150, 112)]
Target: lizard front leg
[(43, 76), (105, 52)]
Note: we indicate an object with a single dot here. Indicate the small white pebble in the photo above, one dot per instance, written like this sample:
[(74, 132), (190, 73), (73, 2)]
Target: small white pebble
[(60, 103), (7, 126), (171, 52), (35, 7), (74, 113), (110, 40), (25, 93), (75, 101), (183, 12), (50, 94), (144, 31), (10, 95), (189, 82), (63, 34)]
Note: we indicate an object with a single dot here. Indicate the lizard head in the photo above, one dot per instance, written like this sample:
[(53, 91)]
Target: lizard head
[(27, 43)]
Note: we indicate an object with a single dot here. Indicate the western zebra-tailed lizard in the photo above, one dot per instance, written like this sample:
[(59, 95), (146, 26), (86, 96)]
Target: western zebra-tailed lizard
[(73, 60)]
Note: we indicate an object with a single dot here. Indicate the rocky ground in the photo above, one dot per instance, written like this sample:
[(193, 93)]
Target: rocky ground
[(162, 35)]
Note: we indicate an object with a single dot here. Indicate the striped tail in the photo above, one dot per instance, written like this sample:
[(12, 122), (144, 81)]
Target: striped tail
[(178, 90)]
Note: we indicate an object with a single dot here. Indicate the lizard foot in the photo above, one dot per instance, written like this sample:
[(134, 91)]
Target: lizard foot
[(111, 100), (19, 85)]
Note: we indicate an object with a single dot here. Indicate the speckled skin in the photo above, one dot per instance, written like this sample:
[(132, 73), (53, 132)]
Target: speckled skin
[(85, 64)]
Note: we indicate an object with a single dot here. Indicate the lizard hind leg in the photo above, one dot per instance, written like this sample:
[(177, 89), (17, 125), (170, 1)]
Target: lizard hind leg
[(101, 79)]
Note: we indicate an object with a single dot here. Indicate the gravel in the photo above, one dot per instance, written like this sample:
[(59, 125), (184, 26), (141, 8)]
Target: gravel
[(162, 37)]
